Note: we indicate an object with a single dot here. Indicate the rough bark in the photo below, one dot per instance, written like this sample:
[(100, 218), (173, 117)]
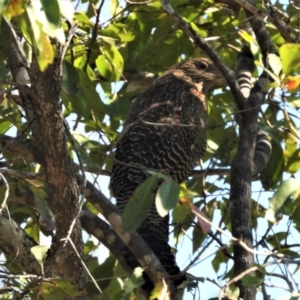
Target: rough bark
[(242, 165), (240, 193), (42, 106)]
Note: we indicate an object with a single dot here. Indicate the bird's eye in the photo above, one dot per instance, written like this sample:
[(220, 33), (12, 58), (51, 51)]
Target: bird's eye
[(201, 65)]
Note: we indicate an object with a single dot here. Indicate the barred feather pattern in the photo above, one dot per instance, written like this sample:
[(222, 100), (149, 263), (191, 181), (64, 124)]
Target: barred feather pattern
[(162, 133)]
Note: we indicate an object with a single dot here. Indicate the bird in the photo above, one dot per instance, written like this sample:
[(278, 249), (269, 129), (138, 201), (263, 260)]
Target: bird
[(164, 131)]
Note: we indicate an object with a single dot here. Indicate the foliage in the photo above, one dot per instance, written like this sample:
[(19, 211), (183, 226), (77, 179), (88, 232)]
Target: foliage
[(105, 66)]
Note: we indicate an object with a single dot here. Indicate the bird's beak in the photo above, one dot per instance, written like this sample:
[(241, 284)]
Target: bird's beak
[(218, 82)]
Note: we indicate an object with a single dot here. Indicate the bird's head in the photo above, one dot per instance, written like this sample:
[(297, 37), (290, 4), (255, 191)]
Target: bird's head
[(199, 71)]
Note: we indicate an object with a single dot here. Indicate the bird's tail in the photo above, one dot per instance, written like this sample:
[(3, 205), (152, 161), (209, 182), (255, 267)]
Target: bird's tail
[(155, 231)]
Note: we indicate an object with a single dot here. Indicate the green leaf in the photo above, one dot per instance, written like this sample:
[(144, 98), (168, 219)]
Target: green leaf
[(246, 36), (285, 189), (79, 90), (135, 280), (52, 12), (197, 278), (91, 96), (293, 164), (275, 239), (104, 67), (198, 238), (86, 158), (47, 52), (5, 47), (67, 10), (80, 16), (275, 166), (115, 59), (249, 280), (180, 212), (282, 193), (70, 79), (167, 196), (289, 54), (3, 5), (40, 253), (4, 126), (218, 260), (12, 8), (46, 216), (104, 273), (275, 63), (32, 229), (47, 14), (115, 288), (58, 289), (138, 206), (33, 27)]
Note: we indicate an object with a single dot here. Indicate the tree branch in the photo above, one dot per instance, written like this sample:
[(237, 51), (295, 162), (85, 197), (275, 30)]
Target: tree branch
[(134, 242), (202, 44), (16, 244), (95, 226)]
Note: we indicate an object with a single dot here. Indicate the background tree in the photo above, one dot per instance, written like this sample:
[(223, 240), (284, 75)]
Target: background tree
[(60, 68)]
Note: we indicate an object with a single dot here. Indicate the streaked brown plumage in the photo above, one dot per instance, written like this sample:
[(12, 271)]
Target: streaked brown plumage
[(162, 132)]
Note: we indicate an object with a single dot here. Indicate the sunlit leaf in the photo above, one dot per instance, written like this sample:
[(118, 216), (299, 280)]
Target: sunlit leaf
[(47, 52), (275, 64), (135, 280), (159, 292), (104, 67), (67, 10), (58, 289), (12, 8), (180, 213), (112, 54), (47, 14), (292, 82), (289, 54), (32, 229), (4, 126), (246, 36), (285, 189), (293, 164), (82, 17), (40, 253), (167, 196)]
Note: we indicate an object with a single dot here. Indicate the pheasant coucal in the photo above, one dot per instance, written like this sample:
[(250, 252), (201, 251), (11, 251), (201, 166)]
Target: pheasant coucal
[(162, 132)]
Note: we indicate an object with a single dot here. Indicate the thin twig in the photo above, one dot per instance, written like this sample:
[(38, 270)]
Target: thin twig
[(282, 28), (3, 205), (87, 270)]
